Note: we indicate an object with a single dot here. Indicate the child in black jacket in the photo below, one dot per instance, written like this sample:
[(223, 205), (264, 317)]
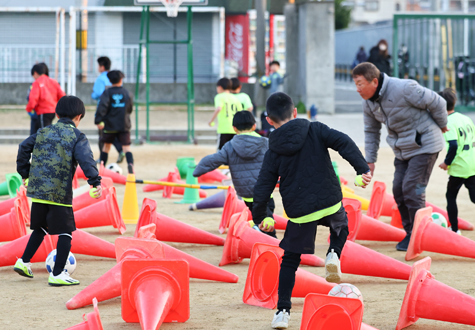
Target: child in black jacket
[(113, 116), (311, 194)]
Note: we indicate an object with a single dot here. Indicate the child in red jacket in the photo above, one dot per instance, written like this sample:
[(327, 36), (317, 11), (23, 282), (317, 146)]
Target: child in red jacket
[(44, 95)]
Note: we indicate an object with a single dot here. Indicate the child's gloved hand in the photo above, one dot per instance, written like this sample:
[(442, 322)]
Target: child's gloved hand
[(32, 114), (267, 225)]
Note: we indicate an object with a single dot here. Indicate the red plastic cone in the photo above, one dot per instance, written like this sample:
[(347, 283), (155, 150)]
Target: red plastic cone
[(116, 177), (84, 200), (375, 230), (13, 250), (155, 291), (213, 201), (232, 205), (427, 236), (168, 191), (428, 298), (324, 312), (103, 213), (6, 206), (463, 224), (396, 217), (241, 237), (262, 279), (364, 326), (359, 260), (12, 224), (91, 322), (171, 230), (147, 232), (280, 222), (354, 214), (87, 244), (108, 285), (381, 203), (211, 177), (155, 187)]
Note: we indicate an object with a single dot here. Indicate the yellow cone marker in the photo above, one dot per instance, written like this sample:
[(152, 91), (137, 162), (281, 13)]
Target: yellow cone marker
[(130, 208)]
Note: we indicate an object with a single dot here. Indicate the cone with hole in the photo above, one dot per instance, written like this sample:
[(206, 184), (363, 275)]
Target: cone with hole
[(6, 206), (168, 191), (428, 298), (212, 177), (262, 280), (130, 207), (88, 244), (84, 200), (108, 285), (241, 237), (154, 292), (232, 205), (191, 195), (171, 230), (359, 260), (380, 203), (92, 321), (428, 236), (11, 251), (12, 224), (324, 312), (353, 212), (11, 185), (214, 201), (103, 213)]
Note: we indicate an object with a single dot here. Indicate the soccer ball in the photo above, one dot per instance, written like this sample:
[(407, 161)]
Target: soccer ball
[(346, 290), (439, 219), (115, 168), (265, 82), (70, 263)]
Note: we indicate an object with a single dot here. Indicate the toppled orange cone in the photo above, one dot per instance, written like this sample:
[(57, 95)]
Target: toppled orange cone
[(91, 322)]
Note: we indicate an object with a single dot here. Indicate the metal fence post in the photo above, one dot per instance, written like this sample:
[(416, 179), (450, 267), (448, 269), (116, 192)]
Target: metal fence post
[(191, 85), (137, 81), (147, 67)]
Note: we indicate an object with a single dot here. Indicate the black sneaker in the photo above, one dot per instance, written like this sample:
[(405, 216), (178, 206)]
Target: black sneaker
[(403, 245)]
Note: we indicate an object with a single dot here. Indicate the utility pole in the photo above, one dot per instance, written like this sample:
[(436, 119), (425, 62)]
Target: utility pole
[(83, 38), (260, 93)]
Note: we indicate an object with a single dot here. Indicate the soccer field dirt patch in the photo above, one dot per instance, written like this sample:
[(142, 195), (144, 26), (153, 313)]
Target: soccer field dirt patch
[(32, 304)]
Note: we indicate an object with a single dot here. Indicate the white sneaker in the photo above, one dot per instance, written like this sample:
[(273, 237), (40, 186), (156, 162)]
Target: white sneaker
[(62, 279), (459, 232), (332, 268), (281, 320)]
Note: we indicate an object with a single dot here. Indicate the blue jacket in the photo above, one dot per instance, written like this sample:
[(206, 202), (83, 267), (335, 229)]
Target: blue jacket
[(100, 86), (276, 81)]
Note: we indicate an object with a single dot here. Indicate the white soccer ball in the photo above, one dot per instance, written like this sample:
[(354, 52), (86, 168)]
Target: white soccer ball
[(346, 290), (439, 219), (115, 168), (70, 263)]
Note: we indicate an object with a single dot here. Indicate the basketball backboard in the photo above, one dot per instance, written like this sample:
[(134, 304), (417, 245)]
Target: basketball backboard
[(171, 5)]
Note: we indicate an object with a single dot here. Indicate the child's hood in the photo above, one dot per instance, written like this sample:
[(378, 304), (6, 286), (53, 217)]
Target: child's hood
[(290, 137), (248, 146)]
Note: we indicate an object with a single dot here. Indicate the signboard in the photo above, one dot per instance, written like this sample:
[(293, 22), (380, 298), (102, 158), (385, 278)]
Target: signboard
[(237, 43)]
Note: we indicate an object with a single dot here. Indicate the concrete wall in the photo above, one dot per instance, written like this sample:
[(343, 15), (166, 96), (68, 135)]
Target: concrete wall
[(15, 93)]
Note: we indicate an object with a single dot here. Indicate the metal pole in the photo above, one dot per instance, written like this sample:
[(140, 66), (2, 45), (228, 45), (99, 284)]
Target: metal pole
[(395, 46), (62, 58), (147, 68), (72, 52), (259, 93), (191, 84), (56, 48), (137, 81)]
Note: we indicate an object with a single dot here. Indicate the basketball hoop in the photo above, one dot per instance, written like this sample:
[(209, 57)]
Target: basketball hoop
[(172, 7)]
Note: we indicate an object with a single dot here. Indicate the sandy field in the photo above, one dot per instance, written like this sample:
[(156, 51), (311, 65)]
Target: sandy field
[(32, 304)]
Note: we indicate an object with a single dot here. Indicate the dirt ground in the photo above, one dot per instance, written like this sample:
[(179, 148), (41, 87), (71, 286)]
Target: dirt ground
[(32, 304)]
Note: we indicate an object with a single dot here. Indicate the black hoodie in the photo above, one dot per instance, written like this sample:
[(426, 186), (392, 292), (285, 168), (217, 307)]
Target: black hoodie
[(298, 154)]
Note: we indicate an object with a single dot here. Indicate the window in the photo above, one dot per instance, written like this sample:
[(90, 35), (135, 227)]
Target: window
[(398, 7), (371, 5)]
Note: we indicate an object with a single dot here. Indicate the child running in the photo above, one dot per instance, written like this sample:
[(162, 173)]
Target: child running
[(460, 159), (244, 155), (55, 152), (311, 194), (242, 97), (113, 116), (226, 105)]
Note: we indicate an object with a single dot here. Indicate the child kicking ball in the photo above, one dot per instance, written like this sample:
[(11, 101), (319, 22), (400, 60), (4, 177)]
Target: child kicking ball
[(55, 152), (311, 194)]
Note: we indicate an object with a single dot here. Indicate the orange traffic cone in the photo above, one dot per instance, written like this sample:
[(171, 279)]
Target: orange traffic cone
[(262, 279), (354, 214), (12, 224), (324, 312), (147, 232), (381, 203), (374, 230), (463, 224), (427, 236), (6, 206), (103, 213), (84, 200), (211, 177), (359, 260), (364, 326), (428, 298), (13, 250), (396, 220), (108, 285), (168, 191), (155, 291), (171, 230), (87, 244), (232, 205), (91, 322), (130, 207), (241, 237)]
